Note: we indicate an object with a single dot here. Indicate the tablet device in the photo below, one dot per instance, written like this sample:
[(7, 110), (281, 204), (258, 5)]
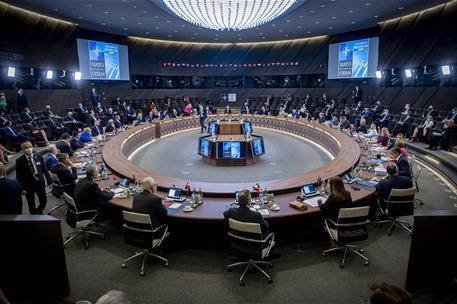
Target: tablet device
[(125, 182)]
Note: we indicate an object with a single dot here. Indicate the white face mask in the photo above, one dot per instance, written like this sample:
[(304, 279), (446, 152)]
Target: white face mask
[(29, 151)]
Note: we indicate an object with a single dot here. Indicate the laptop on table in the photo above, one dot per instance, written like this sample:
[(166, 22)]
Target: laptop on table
[(174, 194)]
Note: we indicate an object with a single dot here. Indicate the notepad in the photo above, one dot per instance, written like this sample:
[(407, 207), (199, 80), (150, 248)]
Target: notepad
[(117, 190), (175, 206), (264, 211), (313, 202)]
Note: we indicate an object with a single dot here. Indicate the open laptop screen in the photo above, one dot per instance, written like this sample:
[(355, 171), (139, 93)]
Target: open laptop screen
[(174, 193)]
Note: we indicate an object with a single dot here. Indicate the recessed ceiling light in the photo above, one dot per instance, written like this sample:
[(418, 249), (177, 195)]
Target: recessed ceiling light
[(264, 37), (103, 23), (334, 17), (288, 20), (375, 16), (144, 12), (309, 32), (175, 31), (239, 35), (353, 22), (168, 21), (122, 18), (240, 39), (183, 25), (301, 16), (139, 23), (89, 5), (215, 39), (330, 27), (260, 33), (195, 33), (322, 5), (367, 3), (80, 17), (134, 6), (56, 10), (169, 36), (280, 31), (157, 27), (312, 11), (147, 33), (286, 35), (317, 22), (299, 26), (401, 7), (273, 25), (192, 38), (126, 28), (106, 13), (350, 12)]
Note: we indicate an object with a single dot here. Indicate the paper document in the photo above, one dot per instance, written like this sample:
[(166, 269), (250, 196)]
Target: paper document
[(313, 201), (264, 211), (117, 190), (175, 206)]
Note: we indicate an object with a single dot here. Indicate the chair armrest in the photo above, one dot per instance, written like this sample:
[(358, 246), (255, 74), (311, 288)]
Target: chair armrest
[(378, 199), (164, 234), (161, 227), (138, 229), (270, 237), (353, 224)]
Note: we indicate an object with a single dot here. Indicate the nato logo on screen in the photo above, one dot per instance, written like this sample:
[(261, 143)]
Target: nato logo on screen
[(104, 60)]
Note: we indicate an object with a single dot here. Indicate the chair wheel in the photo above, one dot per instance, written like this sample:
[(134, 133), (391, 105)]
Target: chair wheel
[(270, 281), (229, 269), (123, 265), (242, 283), (366, 263), (361, 250), (142, 273), (341, 266), (166, 264), (324, 254)]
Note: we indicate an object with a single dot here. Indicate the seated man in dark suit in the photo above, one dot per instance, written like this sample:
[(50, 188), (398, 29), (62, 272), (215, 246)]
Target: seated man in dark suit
[(244, 214), (66, 176), (75, 142), (64, 145), (148, 203), (88, 195), (401, 161), (97, 129), (392, 181), (10, 192)]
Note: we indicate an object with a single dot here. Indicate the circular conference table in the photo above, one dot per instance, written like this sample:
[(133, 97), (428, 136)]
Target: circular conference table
[(345, 151)]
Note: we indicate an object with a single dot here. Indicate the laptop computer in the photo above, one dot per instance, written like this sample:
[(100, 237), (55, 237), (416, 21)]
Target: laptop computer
[(125, 182), (309, 190), (348, 178), (174, 194)]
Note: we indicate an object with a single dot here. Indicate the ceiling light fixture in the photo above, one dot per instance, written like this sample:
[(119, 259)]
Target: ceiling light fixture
[(228, 15)]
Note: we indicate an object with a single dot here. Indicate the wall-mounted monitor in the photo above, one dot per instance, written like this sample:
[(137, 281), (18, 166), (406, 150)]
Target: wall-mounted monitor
[(247, 128), (103, 60), (231, 149), (204, 147), (257, 147), (212, 128), (353, 59), (228, 97)]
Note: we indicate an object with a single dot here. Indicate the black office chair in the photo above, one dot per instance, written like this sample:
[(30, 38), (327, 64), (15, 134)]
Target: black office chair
[(81, 221), (139, 232), (247, 242), (400, 203), (351, 226)]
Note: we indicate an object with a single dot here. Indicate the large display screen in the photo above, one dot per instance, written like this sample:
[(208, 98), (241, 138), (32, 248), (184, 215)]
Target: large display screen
[(257, 147), (353, 59), (103, 60), (247, 128), (204, 147), (231, 149)]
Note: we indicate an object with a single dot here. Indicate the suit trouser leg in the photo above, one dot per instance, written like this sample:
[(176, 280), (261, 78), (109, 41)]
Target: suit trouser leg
[(31, 201), (42, 198)]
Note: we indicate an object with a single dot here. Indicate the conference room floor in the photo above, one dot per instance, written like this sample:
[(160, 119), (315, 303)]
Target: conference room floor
[(198, 275), (177, 156)]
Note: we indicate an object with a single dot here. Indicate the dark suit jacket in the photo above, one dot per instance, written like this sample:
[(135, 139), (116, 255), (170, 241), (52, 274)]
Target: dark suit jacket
[(94, 99), (21, 102), (244, 214), (148, 203), (64, 148), (331, 208), (403, 166), (392, 182), (357, 95), (88, 194), (66, 178), (97, 131), (25, 176), (10, 192), (76, 144)]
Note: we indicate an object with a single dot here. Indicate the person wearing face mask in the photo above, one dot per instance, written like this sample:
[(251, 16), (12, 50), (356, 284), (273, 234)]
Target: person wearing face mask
[(33, 175), (384, 119), (3, 103)]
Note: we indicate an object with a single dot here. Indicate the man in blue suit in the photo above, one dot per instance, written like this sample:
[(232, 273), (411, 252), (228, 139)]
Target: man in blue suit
[(96, 129), (10, 192), (51, 159)]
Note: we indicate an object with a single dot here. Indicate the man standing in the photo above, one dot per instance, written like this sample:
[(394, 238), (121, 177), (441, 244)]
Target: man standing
[(357, 95), (10, 192), (21, 101), (33, 175), (203, 114), (148, 203), (244, 214), (94, 98)]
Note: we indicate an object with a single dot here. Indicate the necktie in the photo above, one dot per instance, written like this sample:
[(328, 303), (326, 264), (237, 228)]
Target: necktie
[(33, 168)]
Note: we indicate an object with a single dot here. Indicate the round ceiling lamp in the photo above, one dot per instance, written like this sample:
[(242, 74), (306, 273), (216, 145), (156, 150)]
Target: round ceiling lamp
[(229, 14)]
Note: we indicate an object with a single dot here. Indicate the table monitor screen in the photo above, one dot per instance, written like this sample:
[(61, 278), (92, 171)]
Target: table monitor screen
[(309, 189), (174, 193), (257, 147), (204, 148), (212, 128), (247, 128), (125, 182), (231, 149)]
